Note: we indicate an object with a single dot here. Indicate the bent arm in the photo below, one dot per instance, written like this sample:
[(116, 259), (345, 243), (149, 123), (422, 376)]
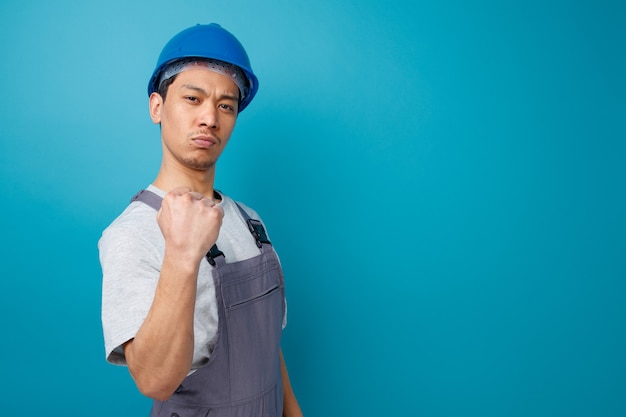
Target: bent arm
[(160, 355)]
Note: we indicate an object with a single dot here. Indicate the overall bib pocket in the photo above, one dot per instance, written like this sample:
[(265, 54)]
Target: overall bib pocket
[(254, 310)]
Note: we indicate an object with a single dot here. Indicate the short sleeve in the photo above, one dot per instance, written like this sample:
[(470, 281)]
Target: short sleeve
[(131, 264)]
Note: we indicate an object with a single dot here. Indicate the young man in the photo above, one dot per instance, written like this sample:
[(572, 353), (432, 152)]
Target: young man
[(193, 294)]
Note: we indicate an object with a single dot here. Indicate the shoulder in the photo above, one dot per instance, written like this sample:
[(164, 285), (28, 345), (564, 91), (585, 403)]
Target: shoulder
[(134, 216), (137, 223), (233, 207)]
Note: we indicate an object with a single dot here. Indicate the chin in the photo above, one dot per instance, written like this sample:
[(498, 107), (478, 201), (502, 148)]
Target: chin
[(201, 165)]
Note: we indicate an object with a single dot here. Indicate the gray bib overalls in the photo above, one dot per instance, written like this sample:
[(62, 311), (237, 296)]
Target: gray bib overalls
[(242, 377)]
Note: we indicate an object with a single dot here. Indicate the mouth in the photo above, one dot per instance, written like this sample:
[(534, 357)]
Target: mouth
[(205, 141)]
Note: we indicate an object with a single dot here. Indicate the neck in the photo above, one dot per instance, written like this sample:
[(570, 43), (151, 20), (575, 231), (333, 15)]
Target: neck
[(198, 181)]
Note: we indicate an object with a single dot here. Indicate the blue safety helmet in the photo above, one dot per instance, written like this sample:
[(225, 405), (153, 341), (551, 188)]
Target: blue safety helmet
[(206, 41)]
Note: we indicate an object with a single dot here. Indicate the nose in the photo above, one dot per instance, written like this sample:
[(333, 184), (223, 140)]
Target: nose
[(208, 116)]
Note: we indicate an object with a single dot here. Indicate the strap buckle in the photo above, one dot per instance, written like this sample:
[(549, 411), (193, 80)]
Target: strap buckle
[(258, 231), (214, 252)]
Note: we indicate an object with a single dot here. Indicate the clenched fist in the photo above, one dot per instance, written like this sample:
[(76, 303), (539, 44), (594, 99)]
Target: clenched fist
[(190, 223)]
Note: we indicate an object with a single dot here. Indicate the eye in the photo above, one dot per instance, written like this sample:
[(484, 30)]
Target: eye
[(192, 99), (227, 107)]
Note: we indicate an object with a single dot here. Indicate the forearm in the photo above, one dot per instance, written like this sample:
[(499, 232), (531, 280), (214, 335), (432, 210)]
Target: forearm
[(291, 408), (160, 355)]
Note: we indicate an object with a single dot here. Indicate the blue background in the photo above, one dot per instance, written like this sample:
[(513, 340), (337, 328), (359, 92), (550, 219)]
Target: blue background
[(444, 182)]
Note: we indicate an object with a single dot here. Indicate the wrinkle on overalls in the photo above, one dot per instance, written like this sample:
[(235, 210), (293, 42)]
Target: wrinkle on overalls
[(242, 377)]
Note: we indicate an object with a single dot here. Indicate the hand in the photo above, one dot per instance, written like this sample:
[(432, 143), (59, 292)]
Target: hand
[(190, 223)]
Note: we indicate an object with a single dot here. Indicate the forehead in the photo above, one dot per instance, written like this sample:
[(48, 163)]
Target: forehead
[(206, 79)]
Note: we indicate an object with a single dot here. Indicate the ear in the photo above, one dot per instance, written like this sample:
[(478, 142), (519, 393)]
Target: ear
[(156, 104)]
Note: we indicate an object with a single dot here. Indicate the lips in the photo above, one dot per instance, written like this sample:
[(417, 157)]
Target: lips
[(205, 141)]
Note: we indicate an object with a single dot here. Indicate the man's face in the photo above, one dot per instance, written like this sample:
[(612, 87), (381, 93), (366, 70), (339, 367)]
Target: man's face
[(197, 118)]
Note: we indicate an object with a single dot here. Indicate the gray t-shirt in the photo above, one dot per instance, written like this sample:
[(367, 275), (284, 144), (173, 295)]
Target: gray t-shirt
[(131, 255)]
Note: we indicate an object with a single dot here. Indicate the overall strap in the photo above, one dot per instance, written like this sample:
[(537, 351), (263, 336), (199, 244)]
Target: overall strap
[(149, 198), (153, 200), (256, 228)]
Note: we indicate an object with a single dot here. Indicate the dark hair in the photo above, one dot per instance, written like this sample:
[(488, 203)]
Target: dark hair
[(165, 85)]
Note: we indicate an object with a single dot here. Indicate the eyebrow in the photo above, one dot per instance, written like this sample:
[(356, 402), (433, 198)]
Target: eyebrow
[(204, 92)]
